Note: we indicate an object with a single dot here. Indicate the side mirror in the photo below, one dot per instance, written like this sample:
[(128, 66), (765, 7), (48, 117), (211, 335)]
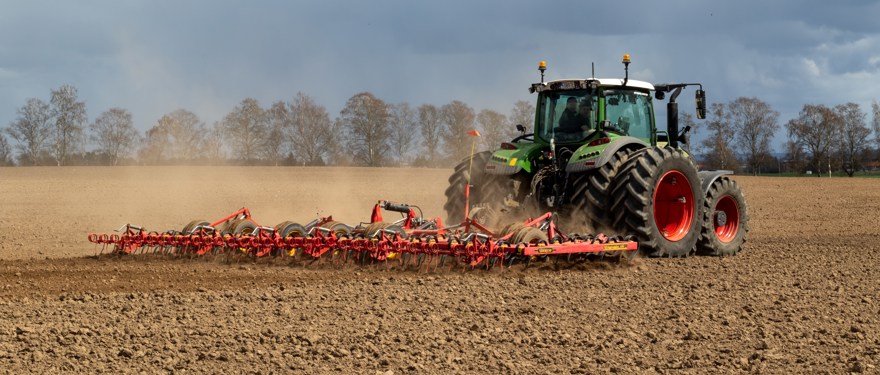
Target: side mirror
[(701, 104), (660, 95), (520, 128)]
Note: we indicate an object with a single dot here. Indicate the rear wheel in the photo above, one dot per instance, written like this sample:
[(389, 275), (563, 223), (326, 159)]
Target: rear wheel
[(725, 219), (658, 200), (484, 187), (590, 193)]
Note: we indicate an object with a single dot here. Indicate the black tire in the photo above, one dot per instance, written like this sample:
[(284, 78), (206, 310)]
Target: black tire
[(725, 219), (243, 226), (371, 229), (590, 192), (455, 192), (650, 202), (188, 228), (337, 228), (290, 229), (528, 235)]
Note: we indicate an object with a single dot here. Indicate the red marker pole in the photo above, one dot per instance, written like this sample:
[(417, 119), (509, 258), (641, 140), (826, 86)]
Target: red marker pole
[(467, 186)]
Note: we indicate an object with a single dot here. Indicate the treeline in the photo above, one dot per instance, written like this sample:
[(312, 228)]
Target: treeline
[(821, 139), (367, 131), (371, 132)]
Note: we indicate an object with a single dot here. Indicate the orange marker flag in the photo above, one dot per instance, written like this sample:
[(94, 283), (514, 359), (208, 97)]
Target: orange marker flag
[(474, 133)]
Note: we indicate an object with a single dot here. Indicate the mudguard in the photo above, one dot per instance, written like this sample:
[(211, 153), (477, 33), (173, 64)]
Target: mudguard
[(587, 157), (709, 177)]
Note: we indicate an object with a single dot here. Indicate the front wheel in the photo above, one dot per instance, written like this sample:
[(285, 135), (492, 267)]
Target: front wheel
[(659, 201), (725, 219)]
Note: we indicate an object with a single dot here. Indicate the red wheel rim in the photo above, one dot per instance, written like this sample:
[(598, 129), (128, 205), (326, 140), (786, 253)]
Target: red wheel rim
[(726, 219), (673, 206)]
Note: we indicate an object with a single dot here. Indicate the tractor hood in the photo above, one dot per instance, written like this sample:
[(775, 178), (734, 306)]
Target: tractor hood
[(512, 158)]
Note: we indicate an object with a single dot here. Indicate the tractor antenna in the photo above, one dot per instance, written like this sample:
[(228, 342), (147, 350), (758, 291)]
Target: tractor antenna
[(594, 68), (542, 66), (626, 68)]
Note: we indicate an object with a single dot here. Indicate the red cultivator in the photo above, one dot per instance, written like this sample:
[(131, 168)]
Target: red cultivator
[(410, 241)]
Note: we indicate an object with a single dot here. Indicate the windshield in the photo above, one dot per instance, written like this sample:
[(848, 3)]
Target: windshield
[(628, 112), (568, 116)]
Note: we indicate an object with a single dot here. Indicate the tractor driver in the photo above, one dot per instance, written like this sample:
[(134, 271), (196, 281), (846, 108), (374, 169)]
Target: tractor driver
[(575, 120), (568, 122)]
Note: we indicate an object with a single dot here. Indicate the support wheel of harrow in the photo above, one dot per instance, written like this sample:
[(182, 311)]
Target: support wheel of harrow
[(192, 225), (591, 192), (373, 230), (658, 200), (289, 229), (340, 230), (725, 219), (527, 236), (238, 226), (243, 226), (188, 229)]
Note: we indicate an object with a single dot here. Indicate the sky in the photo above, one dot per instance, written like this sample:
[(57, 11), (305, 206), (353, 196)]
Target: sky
[(153, 57)]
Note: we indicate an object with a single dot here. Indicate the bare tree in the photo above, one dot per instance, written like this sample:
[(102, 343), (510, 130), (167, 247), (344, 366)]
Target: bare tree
[(32, 130), (365, 119), (211, 148), (245, 128), (494, 128), (275, 144), (404, 130), (756, 124), (855, 135), (431, 127), (875, 110), (815, 131), (795, 160), (523, 113), (114, 133), (177, 137), (5, 152), (717, 146), (459, 119), (337, 150), (310, 130), (70, 117)]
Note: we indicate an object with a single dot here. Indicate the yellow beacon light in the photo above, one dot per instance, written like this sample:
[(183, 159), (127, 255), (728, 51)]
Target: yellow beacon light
[(542, 66), (626, 58)]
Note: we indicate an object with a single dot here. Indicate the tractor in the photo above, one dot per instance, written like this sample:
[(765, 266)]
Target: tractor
[(597, 158)]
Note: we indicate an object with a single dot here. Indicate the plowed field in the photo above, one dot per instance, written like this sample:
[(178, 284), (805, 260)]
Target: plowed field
[(803, 296)]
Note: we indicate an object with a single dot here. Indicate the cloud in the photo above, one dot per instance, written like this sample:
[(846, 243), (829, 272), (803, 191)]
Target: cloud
[(153, 57)]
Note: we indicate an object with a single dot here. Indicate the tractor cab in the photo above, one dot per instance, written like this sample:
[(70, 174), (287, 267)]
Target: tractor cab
[(581, 123), (569, 115)]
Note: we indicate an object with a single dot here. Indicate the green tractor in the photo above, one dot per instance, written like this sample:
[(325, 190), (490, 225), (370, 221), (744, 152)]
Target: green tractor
[(597, 158)]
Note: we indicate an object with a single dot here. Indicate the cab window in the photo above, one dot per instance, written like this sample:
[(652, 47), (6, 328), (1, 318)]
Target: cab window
[(568, 116), (629, 112)]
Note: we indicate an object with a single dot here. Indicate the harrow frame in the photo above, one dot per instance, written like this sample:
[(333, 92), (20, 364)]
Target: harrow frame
[(470, 241)]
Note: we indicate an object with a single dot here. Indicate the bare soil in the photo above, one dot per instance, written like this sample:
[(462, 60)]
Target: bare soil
[(801, 298)]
